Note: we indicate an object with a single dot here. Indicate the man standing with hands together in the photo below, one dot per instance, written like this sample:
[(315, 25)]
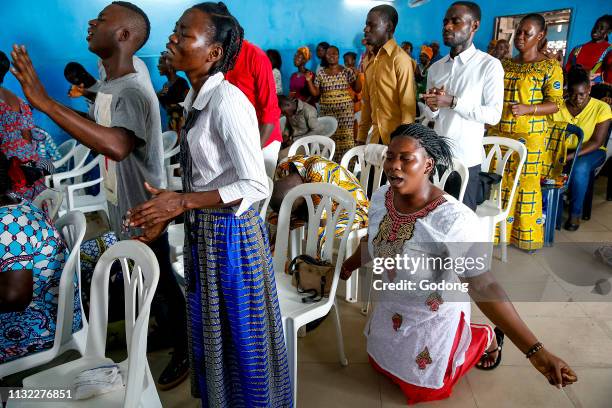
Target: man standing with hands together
[(465, 91)]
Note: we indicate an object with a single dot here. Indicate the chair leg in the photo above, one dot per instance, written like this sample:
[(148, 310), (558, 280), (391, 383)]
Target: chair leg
[(291, 345), (550, 223), (339, 338), (503, 242), (352, 283)]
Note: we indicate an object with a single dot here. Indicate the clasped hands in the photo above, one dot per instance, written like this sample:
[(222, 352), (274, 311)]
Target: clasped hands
[(153, 216), (436, 98)]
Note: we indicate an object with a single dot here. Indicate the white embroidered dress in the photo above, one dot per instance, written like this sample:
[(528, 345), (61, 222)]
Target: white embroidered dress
[(410, 333)]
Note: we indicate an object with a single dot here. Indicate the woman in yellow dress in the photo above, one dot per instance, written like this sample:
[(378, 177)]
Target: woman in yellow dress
[(533, 88)]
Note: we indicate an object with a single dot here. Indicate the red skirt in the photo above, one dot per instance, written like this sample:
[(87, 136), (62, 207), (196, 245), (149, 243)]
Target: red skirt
[(481, 334)]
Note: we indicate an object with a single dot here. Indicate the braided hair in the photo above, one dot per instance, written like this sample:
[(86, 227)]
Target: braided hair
[(437, 147), (228, 33)]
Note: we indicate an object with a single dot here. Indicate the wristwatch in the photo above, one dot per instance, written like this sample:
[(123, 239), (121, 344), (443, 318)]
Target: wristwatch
[(453, 102)]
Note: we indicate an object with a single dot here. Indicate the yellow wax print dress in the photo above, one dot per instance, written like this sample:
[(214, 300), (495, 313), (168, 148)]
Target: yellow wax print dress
[(529, 84), (315, 169), (336, 101)]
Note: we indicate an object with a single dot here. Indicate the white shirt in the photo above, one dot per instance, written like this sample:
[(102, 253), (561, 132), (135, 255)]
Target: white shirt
[(476, 79), (224, 144)]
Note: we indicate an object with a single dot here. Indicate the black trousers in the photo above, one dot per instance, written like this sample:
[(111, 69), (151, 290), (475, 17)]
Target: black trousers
[(453, 186), (169, 306)]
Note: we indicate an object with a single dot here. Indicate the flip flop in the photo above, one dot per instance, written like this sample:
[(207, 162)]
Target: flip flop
[(499, 336)]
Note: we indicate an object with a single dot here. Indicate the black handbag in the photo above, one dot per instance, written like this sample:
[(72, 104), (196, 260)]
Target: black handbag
[(485, 181)]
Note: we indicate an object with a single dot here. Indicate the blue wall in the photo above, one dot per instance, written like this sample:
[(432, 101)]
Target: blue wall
[(54, 30)]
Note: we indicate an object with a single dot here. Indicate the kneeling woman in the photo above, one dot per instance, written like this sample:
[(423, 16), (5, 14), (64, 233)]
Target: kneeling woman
[(236, 344), (422, 338)]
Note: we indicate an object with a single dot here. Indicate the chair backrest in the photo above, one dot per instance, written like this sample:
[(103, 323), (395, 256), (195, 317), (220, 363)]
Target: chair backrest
[(72, 228), (170, 154), (458, 166), (314, 146), (66, 147), (330, 195), (360, 160), (80, 156), (50, 201), (139, 285), (576, 131), (327, 125), (175, 183), (501, 151), (422, 118), (169, 139), (262, 206)]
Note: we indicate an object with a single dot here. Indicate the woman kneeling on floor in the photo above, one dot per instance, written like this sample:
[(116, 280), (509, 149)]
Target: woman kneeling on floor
[(431, 237)]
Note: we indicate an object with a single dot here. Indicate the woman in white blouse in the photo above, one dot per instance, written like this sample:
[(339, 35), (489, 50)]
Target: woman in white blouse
[(236, 346), (420, 334)]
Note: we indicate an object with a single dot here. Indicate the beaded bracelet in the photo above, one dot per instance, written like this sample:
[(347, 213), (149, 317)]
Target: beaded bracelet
[(534, 349)]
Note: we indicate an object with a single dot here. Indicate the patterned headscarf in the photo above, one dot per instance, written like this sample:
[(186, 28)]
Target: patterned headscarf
[(305, 51)]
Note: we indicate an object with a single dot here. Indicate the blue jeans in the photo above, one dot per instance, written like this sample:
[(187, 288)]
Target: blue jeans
[(579, 183)]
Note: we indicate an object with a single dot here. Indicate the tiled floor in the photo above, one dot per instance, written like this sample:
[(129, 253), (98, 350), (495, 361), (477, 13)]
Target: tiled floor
[(554, 291), (555, 287)]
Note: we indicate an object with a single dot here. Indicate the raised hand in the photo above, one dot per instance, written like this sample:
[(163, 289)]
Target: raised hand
[(24, 71)]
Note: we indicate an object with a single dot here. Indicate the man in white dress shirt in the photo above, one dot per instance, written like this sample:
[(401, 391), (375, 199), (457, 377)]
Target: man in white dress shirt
[(465, 91)]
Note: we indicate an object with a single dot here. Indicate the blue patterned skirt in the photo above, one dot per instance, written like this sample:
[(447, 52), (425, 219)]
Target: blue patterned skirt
[(236, 345)]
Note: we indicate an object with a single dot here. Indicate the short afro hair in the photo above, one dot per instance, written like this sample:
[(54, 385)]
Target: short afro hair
[(144, 25), (473, 8), (388, 12)]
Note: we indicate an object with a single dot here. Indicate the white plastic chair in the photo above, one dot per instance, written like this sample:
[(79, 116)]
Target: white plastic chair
[(362, 161), (170, 154), (76, 197), (139, 285), (175, 183), (66, 150), (327, 125), (493, 207), (49, 200), (72, 228), (169, 139), (314, 146), (296, 313), (79, 155), (458, 166), (422, 118)]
